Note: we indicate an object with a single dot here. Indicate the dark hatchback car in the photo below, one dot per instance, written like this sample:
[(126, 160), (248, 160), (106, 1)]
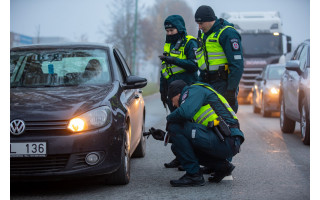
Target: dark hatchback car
[(266, 90), (76, 111), (295, 93)]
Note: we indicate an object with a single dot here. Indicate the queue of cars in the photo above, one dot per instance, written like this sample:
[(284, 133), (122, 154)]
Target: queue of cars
[(76, 110), (286, 88)]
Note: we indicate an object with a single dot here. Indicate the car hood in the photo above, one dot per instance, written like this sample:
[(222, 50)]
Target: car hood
[(55, 103)]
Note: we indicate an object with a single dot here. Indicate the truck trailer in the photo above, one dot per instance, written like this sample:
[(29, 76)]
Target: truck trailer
[(263, 43)]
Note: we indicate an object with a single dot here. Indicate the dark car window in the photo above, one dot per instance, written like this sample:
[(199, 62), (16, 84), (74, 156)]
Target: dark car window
[(120, 64), (59, 67), (125, 65), (297, 53), (275, 73), (303, 57)]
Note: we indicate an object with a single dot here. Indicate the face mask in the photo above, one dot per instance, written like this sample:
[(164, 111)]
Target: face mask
[(172, 38)]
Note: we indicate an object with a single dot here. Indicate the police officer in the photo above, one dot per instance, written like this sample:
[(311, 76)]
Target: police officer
[(197, 133), (178, 61), (219, 55)]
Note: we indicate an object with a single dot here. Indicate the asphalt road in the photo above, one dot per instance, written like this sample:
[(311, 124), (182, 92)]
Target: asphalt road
[(271, 165)]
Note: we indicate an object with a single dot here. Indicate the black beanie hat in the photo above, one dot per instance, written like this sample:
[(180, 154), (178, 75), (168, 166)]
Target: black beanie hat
[(204, 14), (175, 88)]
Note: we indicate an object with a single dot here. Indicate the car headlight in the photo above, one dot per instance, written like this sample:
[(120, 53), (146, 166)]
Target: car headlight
[(274, 90), (93, 119)]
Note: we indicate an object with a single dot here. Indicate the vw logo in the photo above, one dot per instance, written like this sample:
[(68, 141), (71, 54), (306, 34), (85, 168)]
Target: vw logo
[(17, 127)]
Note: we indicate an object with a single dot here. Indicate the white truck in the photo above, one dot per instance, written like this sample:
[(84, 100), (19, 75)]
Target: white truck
[(263, 43)]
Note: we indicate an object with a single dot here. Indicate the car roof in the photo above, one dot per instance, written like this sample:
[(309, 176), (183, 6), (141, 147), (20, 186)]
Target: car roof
[(62, 46)]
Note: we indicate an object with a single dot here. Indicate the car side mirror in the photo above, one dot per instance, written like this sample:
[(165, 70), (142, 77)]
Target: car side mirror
[(134, 82), (294, 65)]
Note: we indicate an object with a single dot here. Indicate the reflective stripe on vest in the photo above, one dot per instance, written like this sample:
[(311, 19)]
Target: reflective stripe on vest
[(205, 115), (222, 99), (215, 54), (170, 69)]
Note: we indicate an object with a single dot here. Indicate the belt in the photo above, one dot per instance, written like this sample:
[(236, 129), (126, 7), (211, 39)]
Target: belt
[(223, 75)]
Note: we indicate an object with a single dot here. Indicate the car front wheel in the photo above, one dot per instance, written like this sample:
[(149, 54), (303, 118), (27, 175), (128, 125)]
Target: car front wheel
[(263, 108), (305, 123), (122, 175), (287, 125)]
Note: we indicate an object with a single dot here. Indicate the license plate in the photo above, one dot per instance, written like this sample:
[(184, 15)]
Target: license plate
[(28, 149)]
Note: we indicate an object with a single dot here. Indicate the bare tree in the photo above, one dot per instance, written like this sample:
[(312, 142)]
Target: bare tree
[(122, 27)]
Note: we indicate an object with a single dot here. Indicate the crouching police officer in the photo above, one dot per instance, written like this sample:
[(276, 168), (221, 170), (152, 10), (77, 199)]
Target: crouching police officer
[(219, 55), (178, 61), (204, 130)]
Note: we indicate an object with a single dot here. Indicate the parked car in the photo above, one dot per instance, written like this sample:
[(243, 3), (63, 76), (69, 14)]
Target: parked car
[(76, 111), (266, 90), (295, 93)]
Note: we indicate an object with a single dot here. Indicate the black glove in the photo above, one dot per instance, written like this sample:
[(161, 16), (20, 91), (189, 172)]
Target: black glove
[(168, 59), (157, 134), (230, 96)]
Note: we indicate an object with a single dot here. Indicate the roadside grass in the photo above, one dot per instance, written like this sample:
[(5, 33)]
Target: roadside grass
[(150, 89)]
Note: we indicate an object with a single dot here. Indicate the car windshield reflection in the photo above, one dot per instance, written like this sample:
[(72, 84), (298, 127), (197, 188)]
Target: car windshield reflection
[(275, 73), (59, 68)]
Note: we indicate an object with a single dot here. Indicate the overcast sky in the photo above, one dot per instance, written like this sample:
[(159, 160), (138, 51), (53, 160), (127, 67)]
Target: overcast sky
[(73, 18)]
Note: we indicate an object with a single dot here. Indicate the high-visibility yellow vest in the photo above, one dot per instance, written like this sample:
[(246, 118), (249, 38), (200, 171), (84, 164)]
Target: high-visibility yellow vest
[(170, 69), (211, 55), (206, 113)]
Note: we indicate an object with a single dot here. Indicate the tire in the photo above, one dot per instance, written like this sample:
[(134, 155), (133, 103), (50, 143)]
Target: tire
[(256, 109), (122, 175), (287, 125), (305, 123), (263, 109), (140, 151)]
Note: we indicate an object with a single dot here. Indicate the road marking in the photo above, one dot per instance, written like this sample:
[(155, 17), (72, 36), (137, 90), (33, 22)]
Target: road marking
[(228, 178)]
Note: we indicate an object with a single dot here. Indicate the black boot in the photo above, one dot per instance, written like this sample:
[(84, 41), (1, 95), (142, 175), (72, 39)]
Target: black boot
[(173, 164), (189, 180), (180, 168), (220, 174), (207, 170)]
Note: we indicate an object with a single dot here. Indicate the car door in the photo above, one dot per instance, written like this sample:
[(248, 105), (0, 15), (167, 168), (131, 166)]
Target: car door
[(132, 100), (288, 90), (293, 85)]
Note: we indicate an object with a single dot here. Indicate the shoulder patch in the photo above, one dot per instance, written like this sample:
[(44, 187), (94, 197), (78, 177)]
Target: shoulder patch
[(235, 44), (184, 96)]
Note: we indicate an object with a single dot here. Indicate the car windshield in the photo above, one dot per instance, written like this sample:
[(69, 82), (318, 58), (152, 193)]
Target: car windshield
[(261, 44), (59, 67), (275, 73)]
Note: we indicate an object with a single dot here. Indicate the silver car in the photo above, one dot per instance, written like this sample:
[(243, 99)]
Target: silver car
[(266, 90)]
